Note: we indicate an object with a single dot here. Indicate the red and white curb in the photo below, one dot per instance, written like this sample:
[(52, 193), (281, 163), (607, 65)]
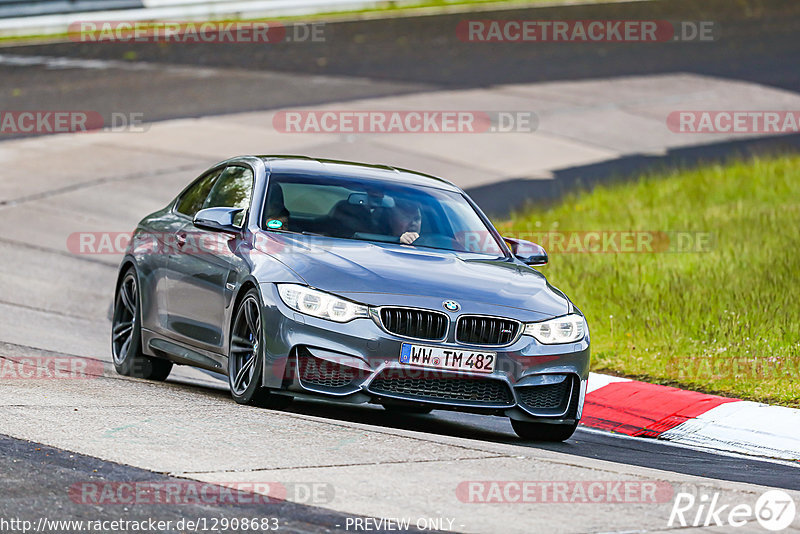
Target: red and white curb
[(690, 418)]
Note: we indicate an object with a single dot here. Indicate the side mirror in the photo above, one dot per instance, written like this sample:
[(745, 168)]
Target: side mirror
[(218, 219), (527, 252)]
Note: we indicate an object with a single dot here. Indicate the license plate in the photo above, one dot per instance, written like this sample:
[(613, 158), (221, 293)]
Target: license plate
[(447, 358)]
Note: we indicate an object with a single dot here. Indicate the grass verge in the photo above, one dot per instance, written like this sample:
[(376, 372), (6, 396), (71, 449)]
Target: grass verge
[(723, 316)]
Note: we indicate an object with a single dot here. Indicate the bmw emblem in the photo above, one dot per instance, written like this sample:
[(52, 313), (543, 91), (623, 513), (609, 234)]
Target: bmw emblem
[(451, 305)]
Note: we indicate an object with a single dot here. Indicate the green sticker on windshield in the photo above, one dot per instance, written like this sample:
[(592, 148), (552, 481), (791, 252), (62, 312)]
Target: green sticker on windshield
[(274, 223)]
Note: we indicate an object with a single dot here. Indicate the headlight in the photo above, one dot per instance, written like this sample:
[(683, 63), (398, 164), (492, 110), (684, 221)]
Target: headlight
[(565, 329), (320, 304)]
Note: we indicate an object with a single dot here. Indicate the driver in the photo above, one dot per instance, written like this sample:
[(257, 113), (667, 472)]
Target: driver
[(405, 221)]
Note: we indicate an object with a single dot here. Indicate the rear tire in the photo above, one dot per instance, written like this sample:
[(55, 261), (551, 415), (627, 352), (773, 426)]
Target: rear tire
[(126, 335), (246, 357), (543, 431)]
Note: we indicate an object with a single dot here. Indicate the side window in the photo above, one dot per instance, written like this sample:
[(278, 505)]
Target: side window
[(192, 200), (312, 200), (232, 190)]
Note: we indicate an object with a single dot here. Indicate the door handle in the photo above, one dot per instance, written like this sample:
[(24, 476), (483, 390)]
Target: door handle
[(181, 239)]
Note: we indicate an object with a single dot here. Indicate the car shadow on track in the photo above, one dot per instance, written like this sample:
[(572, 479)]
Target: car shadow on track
[(585, 443), (442, 422), (439, 422)]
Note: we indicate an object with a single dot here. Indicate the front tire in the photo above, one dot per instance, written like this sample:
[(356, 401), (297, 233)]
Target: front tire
[(543, 431), (126, 334), (246, 357)]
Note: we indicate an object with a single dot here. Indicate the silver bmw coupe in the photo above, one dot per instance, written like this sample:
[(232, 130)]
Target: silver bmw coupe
[(299, 277)]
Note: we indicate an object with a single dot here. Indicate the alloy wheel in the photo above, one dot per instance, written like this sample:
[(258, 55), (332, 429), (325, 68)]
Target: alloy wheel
[(245, 345), (125, 317)]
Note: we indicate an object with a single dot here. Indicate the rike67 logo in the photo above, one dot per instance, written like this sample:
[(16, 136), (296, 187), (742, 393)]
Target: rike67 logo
[(774, 510)]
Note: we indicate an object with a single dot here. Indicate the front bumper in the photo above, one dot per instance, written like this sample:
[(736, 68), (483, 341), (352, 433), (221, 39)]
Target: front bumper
[(358, 362)]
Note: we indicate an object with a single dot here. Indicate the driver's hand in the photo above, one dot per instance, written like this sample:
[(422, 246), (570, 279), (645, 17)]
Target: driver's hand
[(409, 237)]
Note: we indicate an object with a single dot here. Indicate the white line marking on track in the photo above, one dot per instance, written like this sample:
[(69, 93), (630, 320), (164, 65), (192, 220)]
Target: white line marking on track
[(685, 446), (52, 62)]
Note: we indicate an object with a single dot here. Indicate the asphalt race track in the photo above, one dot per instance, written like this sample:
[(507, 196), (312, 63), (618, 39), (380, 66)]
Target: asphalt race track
[(37, 479), (754, 42), (404, 55), (55, 434)]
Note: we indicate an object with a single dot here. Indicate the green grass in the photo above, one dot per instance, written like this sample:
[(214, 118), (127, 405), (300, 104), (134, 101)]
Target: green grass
[(724, 321)]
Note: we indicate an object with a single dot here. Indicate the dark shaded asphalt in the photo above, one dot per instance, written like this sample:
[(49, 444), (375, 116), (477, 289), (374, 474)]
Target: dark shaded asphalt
[(165, 92), (756, 41), (36, 482), (500, 199)]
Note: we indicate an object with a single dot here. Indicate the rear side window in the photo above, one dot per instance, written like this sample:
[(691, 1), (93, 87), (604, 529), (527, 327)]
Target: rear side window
[(232, 190), (298, 200), (192, 200)]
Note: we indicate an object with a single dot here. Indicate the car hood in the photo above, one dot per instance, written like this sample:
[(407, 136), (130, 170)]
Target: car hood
[(363, 270)]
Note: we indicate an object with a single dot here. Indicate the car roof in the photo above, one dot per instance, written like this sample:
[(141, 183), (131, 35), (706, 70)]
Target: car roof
[(328, 167)]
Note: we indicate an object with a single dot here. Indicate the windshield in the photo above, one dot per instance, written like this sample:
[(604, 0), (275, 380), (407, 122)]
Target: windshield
[(371, 210)]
